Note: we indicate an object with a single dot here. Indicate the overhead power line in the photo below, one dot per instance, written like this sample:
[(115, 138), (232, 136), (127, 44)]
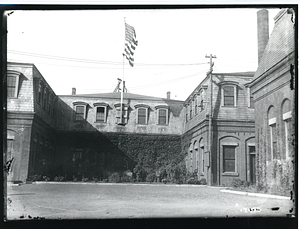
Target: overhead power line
[(93, 61)]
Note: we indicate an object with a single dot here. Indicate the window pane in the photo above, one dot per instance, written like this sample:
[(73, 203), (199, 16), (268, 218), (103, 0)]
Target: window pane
[(79, 112), (11, 86), (228, 96), (142, 116), (100, 115), (229, 152), (229, 158), (252, 149), (162, 117), (229, 166)]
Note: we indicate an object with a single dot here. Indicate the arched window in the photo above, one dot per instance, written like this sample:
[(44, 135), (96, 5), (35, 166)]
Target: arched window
[(162, 114), (191, 158), (101, 112), (142, 113), (272, 133), (196, 151), (287, 126), (201, 152)]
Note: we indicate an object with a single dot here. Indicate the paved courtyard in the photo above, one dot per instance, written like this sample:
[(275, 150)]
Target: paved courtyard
[(98, 201)]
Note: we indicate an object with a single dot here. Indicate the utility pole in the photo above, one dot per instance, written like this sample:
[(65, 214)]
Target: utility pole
[(210, 136)]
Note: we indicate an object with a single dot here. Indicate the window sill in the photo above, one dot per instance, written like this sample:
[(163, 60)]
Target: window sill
[(100, 122), (233, 174)]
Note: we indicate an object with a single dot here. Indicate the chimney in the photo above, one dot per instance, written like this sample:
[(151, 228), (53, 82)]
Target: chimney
[(73, 91), (262, 31), (168, 95)]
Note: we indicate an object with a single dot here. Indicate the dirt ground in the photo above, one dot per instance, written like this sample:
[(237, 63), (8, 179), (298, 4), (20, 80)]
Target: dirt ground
[(104, 201)]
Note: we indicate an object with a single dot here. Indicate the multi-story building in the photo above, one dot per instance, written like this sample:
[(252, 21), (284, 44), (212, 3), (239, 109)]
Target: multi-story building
[(31, 120), (232, 126), (84, 135), (91, 129), (232, 129), (273, 90)]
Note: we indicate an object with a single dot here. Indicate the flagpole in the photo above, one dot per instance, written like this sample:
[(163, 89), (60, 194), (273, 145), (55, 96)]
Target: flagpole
[(122, 88)]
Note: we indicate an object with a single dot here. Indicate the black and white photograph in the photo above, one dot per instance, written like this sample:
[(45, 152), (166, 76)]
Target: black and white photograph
[(150, 112)]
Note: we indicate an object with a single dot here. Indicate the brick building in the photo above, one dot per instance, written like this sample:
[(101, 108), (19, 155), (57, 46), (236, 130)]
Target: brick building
[(80, 135), (233, 142), (273, 90), (241, 129), (31, 120)]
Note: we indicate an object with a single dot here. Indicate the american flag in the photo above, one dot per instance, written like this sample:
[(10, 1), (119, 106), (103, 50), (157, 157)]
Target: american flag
[(130, 43)]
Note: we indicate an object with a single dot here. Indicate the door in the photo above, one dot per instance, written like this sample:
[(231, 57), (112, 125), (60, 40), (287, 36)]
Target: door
[(252, 164)]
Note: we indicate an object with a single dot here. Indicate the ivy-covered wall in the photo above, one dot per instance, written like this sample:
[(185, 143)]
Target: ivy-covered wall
[(106, 153)]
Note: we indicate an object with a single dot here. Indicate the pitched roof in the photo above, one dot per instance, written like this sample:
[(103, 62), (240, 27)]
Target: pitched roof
[(117, 95), (280, 44)]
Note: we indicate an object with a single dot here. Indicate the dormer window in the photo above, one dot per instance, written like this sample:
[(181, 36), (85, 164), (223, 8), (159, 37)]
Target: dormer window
[(101, 112), (80, 111), (162, 115), (142, 113), (13, 84), (229, 95)]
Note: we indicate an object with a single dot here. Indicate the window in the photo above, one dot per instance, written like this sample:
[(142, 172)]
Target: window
[(79, 113), (80, 110), (40, 92), (229, 158), (201, 105), (162, 114), (191, 111), (12, 86), (121, 117), (101, 112), (201, 156), (45, 98), (77, 157), (250, 98), (54, 106), (287, 126), (142, 113), (228, 96), (272, 133), (195, 104), (13, 83), (49, 103)]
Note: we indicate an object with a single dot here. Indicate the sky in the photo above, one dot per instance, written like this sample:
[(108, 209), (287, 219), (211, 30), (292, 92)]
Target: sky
[(83, 49)]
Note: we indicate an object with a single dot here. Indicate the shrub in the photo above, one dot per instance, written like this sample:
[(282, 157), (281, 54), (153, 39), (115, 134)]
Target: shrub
[(140, 173), (115, 178), (240, 183), (151, 177), (35, 177), (203, 181), (59, 178), (85, 179), (46, 178)]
